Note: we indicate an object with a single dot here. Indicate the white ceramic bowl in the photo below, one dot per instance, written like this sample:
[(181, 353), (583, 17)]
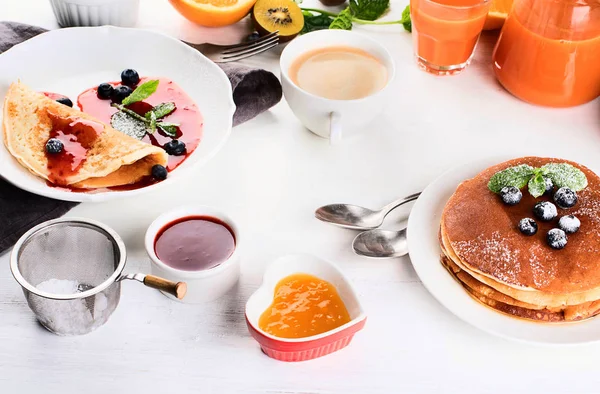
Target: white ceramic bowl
[(96, 54), (303, 349), (202, 286), (72, 13)]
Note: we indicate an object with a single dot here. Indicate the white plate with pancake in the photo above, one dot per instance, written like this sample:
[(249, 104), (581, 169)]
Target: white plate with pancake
[(424, 250), (69, 61)]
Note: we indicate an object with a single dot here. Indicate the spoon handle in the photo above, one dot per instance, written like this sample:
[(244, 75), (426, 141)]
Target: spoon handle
[(395, 204)]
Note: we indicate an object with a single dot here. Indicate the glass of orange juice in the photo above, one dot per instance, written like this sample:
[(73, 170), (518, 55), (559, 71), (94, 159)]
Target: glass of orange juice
[(548, 52), (445, 33)]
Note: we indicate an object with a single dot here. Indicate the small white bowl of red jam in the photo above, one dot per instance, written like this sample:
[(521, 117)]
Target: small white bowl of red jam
[(198, 245), (304, 309)]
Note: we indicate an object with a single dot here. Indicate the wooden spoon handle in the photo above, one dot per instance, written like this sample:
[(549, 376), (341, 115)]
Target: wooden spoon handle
[(177, 289)]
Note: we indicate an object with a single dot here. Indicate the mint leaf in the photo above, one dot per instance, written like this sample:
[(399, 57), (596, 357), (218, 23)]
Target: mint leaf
[(537, 185), (406, 21), (369, 10), (128, 125), (514, 176), (169, 129), (152, 122), (142, 92), (316, 22), (343, 21), (565, 175), (161, 110)]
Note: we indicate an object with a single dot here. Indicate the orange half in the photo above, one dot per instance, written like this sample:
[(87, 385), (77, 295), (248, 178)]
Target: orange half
[(497, 14), (213, 13)]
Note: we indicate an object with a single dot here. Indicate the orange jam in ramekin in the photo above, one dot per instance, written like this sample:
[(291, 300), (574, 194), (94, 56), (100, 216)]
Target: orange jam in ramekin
[(303, 305)]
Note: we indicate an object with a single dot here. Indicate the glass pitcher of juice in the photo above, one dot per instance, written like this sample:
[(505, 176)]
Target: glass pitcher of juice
[(548, 52)]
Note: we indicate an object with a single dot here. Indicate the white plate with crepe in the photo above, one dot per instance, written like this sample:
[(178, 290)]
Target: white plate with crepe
[(424, 250), (69, 61)]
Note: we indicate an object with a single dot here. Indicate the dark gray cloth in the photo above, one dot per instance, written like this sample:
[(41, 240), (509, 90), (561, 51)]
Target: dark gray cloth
[(254, 91)]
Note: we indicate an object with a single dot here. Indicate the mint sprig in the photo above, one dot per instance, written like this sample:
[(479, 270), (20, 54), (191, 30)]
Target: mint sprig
[(362, 12), (142, 92), (561, 174), (125, 120)]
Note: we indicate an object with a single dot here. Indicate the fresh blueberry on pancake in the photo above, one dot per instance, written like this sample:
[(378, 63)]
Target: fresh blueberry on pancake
[(130, 77), (557, 238), (549, 186), (545, 211), (528, 226), (119, 93), (175, 147), (511, 195), (105, 91), (159, 172), (54, 146), (65, 101), (570, 224), (565, 198)]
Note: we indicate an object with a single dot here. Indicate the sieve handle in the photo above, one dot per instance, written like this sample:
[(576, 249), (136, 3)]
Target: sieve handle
[(177, 289)]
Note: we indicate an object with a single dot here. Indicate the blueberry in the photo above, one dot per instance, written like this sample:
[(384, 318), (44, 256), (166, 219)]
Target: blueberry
[(130, 77), (174, 148), (549, 186), (54, 146), (65, 101), (253, 36), (565, 198), (528, 226), (545, 211), (119, 93), (556, 238), (105, 91), (159, 172), (511, 195), (569, 224)]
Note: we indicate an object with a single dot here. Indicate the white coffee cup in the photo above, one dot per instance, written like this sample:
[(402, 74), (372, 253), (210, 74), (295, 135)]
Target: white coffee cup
[(328, 118)]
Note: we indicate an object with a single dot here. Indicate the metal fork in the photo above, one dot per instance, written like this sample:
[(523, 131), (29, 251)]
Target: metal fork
[(232, 53)]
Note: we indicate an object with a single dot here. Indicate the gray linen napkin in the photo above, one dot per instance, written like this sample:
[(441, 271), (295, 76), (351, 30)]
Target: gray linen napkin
[(254, 91)]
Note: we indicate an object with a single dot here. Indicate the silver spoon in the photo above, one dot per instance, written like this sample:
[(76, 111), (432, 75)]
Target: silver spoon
[(359, 218), (381, 243)]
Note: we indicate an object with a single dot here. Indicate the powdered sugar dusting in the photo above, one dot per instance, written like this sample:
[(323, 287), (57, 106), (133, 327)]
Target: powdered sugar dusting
[(542, 274), (494, 255), (588, 212)]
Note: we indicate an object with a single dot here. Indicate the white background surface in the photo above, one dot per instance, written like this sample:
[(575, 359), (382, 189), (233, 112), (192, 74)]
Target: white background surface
[(271, 176)]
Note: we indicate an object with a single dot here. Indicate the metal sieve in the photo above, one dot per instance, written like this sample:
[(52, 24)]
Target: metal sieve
[(70, 270)]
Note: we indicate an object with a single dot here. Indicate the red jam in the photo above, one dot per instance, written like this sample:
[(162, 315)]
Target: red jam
[(54, 96), (194, 243), (78, 136), (186, 114)]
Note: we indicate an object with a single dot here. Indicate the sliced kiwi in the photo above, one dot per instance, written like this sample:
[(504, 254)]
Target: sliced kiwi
[(278, 15)]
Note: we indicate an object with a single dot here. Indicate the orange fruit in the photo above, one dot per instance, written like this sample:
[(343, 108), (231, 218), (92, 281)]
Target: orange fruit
[(497, 14), (213, 13)]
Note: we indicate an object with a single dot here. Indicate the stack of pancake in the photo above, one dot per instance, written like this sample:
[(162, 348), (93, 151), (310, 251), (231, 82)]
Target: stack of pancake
[(516, 274)]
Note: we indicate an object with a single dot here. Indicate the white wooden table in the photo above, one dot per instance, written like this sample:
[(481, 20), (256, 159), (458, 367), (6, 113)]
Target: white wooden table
[(271, 175)]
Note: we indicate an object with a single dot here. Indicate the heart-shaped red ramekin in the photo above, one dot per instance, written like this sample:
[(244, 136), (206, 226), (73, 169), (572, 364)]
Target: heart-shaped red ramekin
[(302, 349)]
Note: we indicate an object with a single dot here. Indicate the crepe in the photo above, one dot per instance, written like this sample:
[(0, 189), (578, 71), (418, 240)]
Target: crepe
[(111, 158)]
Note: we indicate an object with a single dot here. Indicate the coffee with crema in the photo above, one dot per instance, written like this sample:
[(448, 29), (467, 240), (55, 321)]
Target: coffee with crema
[(339, 73)]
